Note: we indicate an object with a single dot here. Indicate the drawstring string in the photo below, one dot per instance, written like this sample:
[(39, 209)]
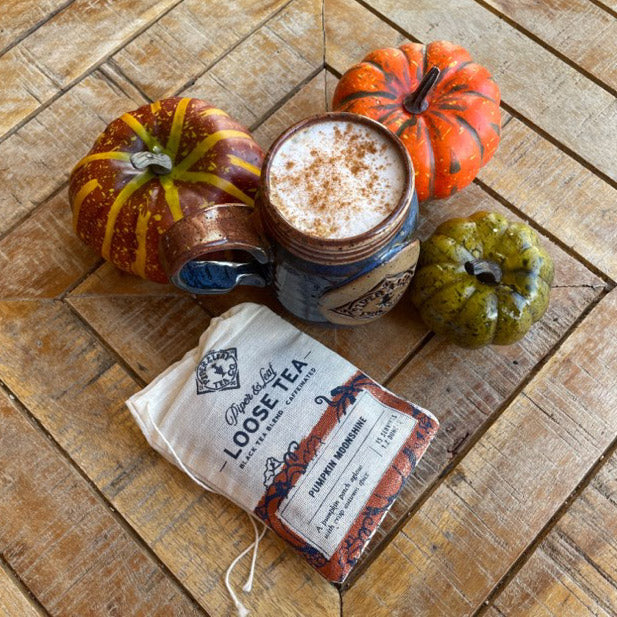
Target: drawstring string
[(242, 610), (248, 586)]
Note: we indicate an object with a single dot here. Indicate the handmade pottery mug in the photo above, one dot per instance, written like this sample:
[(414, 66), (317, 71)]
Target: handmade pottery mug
[(332, 229)]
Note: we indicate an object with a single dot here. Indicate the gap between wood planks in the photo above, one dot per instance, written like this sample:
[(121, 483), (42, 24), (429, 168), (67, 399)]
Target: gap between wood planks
[(536, 39), (109, 56), (33, 210), (323, 59), (28, 31), (22, 587), (286, 98), (395, 371), (507, 578), (216, 60), (117, 359), (610, 283), (604, 7), (125, 525), (460, 453), (92, 68), (565, 149)]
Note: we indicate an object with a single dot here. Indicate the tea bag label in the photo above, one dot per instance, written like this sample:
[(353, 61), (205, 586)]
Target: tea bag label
[(287, 429), (326, 501)]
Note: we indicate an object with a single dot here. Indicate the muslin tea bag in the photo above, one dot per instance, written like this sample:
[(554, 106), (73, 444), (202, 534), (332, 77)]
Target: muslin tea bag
[(288, 430)]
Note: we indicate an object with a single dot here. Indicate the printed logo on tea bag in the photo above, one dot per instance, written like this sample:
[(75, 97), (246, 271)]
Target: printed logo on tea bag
[(218, 371)]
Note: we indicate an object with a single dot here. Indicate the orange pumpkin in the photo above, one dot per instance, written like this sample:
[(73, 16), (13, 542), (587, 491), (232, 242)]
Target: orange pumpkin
[(154, 166), (443, 106)]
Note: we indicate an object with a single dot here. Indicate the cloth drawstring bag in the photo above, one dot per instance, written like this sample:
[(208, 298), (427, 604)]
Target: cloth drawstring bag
[(288, 430)]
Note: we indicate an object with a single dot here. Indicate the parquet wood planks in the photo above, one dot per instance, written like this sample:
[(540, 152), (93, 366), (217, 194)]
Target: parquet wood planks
[(581, 31), (39, 67), (93, 522), (64, 543), (574, 569), (500, 496), (12, 599)]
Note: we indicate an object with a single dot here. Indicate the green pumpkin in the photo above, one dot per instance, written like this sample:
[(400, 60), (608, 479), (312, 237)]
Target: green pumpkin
[(482, 280)]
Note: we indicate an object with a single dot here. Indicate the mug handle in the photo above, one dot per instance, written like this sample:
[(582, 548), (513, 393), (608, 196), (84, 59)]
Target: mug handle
[(205, 252)]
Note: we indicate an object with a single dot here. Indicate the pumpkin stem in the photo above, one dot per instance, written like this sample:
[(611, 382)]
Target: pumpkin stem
[(416, 102), (158, 163), (485, 270)]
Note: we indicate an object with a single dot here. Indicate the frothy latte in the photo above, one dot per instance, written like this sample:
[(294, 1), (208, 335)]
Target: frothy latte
[(336, 178)]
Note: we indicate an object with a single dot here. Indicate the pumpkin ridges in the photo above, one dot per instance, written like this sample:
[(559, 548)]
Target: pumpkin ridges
[(80, 196), (389, 78), (177, 124), (392, 62), (446, 177), (469, 122), (141, 233), (214, 180), (123, 197), (420, 152), (148, 138), (102, 156), (206, 145), (387, 117), (469, 93), (127, 230), (431, 158), (124, 239), (378, 94), (239, 162), (414, 56), (172, 198)]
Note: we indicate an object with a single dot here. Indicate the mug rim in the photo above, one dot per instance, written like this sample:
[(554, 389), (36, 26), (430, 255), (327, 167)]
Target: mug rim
[(371, 239)]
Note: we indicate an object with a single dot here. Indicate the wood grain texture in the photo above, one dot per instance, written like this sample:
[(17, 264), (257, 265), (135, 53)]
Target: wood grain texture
[(465, 388), (149, 325), (63, 542), (578, 29), (574, 570), (534, 82), (42, 257), (37, 159), (265, 67), (557, 192), (187, 40), (469, 532), (40, 66), (80, 401), (311, 99), (12, 601), (20, 18)]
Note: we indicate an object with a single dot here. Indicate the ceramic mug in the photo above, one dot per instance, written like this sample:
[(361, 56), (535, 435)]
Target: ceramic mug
[(342, 281)]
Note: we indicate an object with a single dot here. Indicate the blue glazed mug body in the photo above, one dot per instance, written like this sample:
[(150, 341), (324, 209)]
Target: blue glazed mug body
[(350, 293), (341, 281)]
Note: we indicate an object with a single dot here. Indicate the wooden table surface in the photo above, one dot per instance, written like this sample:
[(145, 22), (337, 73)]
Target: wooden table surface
[(513, 511)]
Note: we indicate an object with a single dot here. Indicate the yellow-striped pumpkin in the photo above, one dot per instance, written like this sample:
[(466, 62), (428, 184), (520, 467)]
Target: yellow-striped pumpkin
[(153, 166)]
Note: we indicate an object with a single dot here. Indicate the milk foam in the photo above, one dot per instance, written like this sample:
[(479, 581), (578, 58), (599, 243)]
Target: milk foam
[(336, 179)]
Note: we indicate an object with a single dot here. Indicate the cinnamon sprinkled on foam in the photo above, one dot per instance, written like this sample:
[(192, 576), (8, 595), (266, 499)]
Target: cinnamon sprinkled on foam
[(336, 179)]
